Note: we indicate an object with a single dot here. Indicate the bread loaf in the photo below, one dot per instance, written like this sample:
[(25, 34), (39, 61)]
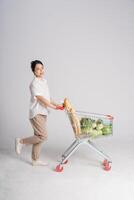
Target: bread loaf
[(73, 116)]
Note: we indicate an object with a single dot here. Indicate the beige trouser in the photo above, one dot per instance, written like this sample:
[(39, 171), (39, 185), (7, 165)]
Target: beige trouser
[(40, 135)]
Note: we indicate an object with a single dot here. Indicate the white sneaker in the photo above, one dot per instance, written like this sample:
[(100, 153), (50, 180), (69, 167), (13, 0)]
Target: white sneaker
[(18, 146), (39, 163)]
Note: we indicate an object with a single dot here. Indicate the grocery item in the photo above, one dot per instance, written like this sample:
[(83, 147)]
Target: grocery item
[(95, 127), (73, 117), (91, 126)]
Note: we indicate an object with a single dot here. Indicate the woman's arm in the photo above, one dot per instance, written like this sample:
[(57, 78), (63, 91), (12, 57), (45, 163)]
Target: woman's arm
[(45, 102), (53, 102)]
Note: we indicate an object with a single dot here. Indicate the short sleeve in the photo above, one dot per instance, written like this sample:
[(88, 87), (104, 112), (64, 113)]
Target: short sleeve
[(36, 90)]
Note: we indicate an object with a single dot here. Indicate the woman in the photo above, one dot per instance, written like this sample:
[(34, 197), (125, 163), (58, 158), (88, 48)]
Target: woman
[(39, 104)]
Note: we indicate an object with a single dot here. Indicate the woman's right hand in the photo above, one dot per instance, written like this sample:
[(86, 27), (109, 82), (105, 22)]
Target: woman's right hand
[(59, 107)]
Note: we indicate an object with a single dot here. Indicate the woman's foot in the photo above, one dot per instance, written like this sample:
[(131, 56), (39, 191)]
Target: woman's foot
[(18, 145), (39, 163)]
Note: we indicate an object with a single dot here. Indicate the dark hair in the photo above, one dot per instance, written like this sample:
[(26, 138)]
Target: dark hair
[(34, 63)]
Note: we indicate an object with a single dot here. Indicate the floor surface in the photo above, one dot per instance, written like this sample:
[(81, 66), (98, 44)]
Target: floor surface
[(83, 177)]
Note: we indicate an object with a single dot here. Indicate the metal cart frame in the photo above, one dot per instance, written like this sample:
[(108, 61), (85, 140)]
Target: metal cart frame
[(85, 139)]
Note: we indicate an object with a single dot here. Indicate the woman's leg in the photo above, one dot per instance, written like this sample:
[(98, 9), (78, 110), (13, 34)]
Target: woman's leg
[(36, 149), (40, 131), (31, 140)]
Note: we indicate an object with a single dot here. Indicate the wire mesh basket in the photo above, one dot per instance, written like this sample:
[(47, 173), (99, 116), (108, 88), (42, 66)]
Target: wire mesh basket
[(91, 125)]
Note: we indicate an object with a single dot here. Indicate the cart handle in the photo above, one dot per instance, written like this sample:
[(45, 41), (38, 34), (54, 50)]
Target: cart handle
[(110, 117), (90, 113)]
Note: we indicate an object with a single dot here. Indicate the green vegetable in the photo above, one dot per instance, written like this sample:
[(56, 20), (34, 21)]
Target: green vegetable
[(96, 133), (95, 128), (107, 130), (86, 125), (99, 126), (94, 125)]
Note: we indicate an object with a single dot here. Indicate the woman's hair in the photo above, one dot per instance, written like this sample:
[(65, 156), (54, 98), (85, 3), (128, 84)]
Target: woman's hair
[(34, 63)]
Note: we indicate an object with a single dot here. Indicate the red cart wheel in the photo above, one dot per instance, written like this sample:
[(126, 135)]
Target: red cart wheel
[(105, 162), (59, 168), (107, 167), (65, 162)]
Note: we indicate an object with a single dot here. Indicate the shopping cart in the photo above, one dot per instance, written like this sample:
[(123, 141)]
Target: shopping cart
[(87, 126)]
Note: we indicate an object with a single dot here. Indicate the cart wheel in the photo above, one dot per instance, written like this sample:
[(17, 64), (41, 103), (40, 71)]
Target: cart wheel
[(59, 168), (107, 167), (105, 162), (65, 162)]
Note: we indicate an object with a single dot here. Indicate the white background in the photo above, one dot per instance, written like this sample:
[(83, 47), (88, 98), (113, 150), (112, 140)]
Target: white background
[(87, 47)]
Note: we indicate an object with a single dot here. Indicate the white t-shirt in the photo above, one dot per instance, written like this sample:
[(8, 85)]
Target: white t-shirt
[(38, 87)]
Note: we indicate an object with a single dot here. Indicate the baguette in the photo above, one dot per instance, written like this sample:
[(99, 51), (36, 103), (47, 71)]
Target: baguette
[(73, 116)]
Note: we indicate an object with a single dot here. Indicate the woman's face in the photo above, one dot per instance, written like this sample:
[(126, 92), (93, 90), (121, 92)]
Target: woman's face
[(39, 70)]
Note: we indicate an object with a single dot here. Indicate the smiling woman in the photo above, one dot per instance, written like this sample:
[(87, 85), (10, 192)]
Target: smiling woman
[(38, 112), (37, 68)]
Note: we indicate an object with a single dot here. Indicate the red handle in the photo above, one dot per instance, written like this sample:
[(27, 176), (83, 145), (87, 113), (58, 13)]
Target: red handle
[(110, 117), (60, 107)]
